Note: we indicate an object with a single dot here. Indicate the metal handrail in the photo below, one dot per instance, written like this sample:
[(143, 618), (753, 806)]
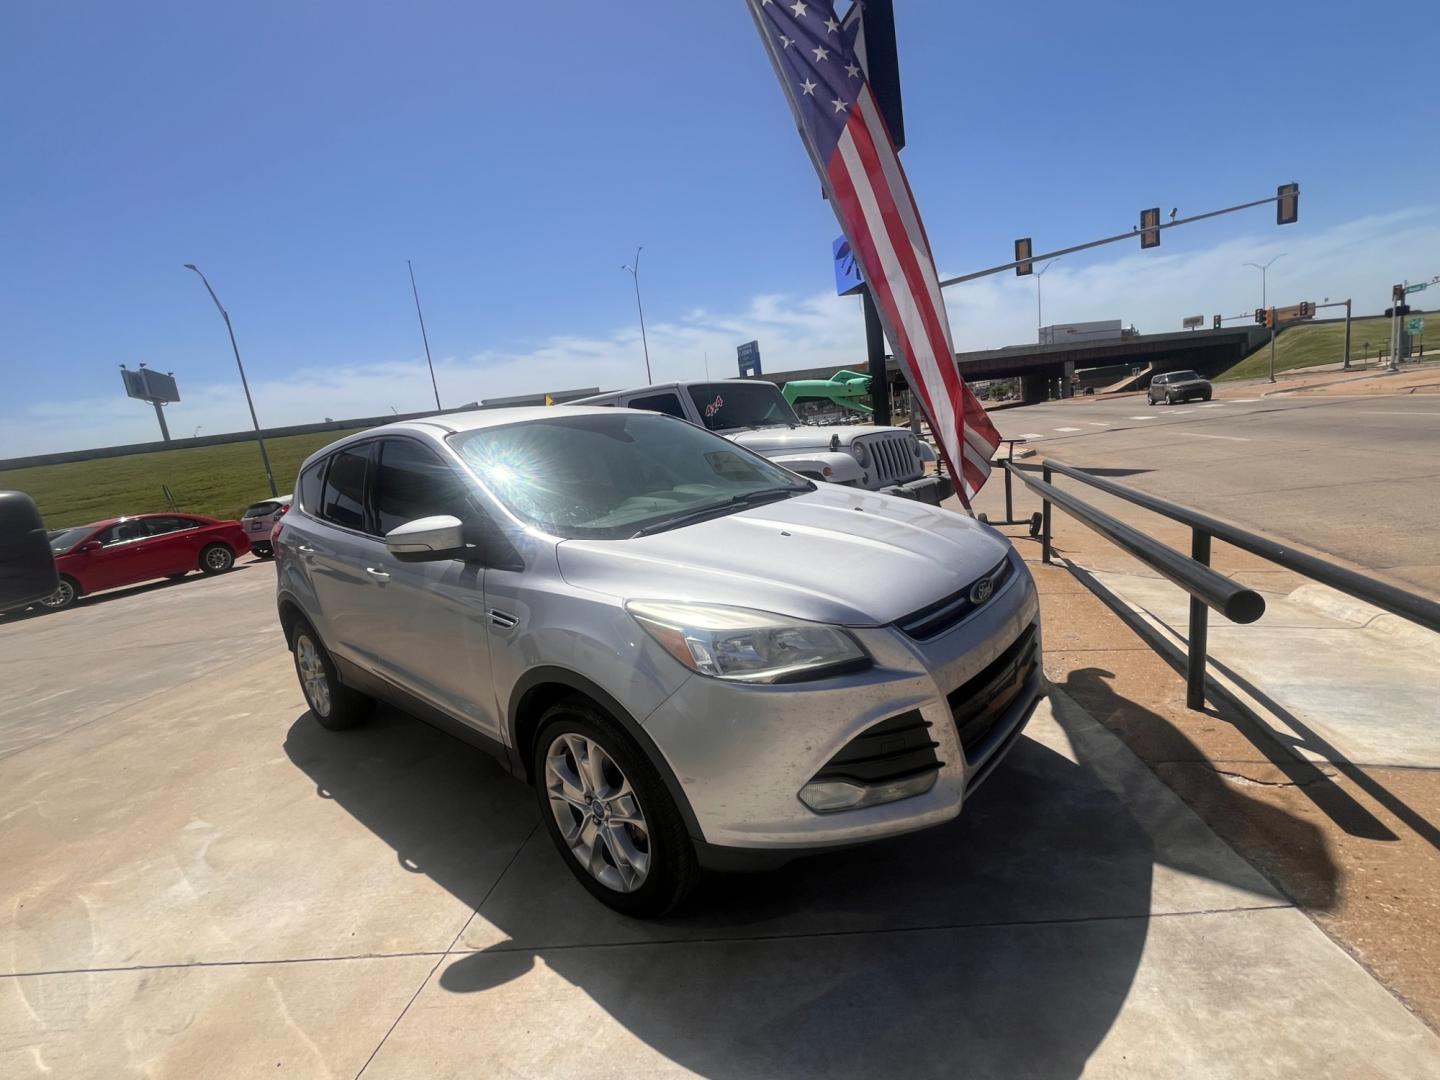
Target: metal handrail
[(1233, 600), (1207, 588), (1416, 609)]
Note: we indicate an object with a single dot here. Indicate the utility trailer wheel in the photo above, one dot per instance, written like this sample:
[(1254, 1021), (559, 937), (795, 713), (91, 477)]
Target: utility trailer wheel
[(1037, 522)]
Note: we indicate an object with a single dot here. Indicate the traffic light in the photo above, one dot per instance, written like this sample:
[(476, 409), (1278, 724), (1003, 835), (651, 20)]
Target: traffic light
[(1269, 318), (1260, 316), (1402, 310), (1307, 309), (1150, 228), (1287, 204), (1397, 293), (1217, 322), (1022, 256)]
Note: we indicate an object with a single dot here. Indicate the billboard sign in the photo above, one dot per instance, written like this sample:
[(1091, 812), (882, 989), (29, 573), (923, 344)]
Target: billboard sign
[(848, 278), (749, 356), (1193, 322), (147, 384)]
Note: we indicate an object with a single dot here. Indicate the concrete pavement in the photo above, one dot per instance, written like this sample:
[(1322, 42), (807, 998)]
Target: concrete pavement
[(204, 882)]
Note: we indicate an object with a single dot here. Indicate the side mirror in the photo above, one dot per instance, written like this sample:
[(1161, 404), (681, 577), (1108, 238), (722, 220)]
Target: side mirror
[(90, 545), (27, 568), (425, 539)]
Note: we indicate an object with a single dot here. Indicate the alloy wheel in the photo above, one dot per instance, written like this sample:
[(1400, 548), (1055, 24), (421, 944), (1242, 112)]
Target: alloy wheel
[(313, 679), (62, 597), (598, 813), (218, 558)]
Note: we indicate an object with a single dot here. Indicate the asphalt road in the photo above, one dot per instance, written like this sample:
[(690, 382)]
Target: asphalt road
[(1356, 477)]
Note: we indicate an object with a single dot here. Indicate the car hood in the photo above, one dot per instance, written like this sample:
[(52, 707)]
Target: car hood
[(834, 555), (799, 440)]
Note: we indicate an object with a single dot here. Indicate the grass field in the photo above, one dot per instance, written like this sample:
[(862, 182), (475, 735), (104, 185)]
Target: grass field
[(216, 480), (1321, 343)]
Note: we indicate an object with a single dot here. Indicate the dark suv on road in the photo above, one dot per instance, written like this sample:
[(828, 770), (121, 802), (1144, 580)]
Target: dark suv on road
[(1177, 386)]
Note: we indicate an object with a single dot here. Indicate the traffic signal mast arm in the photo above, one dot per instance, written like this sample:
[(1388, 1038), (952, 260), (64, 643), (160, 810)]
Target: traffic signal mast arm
[(1280, 195)]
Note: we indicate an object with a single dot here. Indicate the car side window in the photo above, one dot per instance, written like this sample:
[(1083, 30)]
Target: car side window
[(123, 532), (343, 500), (309, 487), (413, 482), (161, 526), (661, 403)]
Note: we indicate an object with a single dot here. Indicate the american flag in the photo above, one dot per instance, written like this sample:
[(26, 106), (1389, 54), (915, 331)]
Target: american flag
[(862, 177)]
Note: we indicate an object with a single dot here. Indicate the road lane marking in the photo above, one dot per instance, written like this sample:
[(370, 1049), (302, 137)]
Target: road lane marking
[(1096, 423), (1030, 435), (1212, 405), (1397, 412), (1198, 435), (1181, 412), (1067, 429), (1144, 418), (1243, 400)]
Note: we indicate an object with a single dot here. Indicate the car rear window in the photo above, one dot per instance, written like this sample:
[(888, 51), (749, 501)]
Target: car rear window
[(261, 509), (308, 489)]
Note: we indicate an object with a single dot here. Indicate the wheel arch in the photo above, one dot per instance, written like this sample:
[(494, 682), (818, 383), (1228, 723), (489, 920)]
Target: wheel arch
[(540, 688)]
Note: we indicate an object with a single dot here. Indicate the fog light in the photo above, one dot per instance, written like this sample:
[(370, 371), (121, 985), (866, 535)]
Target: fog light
[(828, 796)]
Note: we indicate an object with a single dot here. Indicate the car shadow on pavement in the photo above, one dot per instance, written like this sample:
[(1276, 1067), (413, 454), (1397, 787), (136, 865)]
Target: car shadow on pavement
[(97, 599), (1004, 943)]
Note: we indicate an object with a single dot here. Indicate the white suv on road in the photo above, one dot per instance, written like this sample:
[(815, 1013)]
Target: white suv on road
[(697, 658)]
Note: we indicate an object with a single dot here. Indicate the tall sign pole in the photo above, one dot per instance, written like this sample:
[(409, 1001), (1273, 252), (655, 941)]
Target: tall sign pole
[(423, 336)]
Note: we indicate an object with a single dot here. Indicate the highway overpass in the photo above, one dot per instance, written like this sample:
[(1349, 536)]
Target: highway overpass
[(1044, 370)]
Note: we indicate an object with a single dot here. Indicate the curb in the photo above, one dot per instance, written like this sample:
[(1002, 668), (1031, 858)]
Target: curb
[(1338, 605)]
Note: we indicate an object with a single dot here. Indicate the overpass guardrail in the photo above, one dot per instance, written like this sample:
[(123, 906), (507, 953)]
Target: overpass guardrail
[(1208, 589)]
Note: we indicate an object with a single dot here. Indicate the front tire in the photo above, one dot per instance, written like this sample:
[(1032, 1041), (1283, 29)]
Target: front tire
[(1169, 398), (334, 705), (216, 559), (608, 812)]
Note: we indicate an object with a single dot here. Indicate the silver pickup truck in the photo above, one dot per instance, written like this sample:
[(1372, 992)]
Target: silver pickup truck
[(754, 414)]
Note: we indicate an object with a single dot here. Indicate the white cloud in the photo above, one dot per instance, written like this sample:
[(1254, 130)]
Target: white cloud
[(1153, 290)]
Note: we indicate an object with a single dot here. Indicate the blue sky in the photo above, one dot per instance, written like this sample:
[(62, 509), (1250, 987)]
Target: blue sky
[(301, 152)]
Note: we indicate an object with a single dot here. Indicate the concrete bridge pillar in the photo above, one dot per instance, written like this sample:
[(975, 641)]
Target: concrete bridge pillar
[(1034, 389)]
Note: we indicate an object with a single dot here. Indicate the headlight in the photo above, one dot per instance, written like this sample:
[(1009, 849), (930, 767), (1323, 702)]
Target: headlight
[(746, 646), (861, 457)]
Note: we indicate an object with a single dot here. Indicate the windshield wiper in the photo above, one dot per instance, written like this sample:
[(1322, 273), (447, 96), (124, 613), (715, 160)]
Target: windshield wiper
[(750, 498)]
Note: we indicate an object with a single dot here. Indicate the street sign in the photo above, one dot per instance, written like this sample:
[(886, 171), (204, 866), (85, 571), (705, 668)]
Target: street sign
[(749, 356), (1418, 287), (848, 278), (1193, 322), (147, 384), (1415, 327)]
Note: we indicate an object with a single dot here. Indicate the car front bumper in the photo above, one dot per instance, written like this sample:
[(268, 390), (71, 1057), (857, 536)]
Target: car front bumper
[(927, 489), (742, 753)]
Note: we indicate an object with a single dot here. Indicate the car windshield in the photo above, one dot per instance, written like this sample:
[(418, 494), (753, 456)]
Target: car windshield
[(728, 405), (615, 474), (1183, 376), (66, 539)]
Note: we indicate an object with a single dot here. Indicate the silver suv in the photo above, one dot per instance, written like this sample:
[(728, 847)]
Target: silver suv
[(696, 657)]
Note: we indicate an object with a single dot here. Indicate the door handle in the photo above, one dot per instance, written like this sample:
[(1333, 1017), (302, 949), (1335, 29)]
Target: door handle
[(305, 549), (378, 575)]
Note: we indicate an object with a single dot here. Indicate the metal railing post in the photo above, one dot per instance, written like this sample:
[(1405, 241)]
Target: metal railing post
[(1045, 518), (1009, 481), (1199, 628)]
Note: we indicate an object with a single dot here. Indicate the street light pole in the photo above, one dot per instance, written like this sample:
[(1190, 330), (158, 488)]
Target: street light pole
[(264, 457), (1039, 311), (635, 273), (1265, 303)]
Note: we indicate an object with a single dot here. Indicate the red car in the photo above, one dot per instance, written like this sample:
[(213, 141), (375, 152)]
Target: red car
[(124, 551)]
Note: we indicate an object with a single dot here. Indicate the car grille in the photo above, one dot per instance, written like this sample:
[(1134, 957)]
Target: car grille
[(891, 750), (979, 703), (934, 619), (894, 453)]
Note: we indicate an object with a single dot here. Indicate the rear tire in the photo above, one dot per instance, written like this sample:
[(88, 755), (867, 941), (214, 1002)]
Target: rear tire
[(1169, 398), (216, 559), (609, 813), (63, 597), (334, 705), (262, 551)]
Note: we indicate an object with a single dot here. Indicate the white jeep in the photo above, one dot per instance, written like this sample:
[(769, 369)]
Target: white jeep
[(754, 414)]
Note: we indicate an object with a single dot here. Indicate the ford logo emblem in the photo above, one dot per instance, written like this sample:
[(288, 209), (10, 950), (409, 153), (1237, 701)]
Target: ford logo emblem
[(981, 590)]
